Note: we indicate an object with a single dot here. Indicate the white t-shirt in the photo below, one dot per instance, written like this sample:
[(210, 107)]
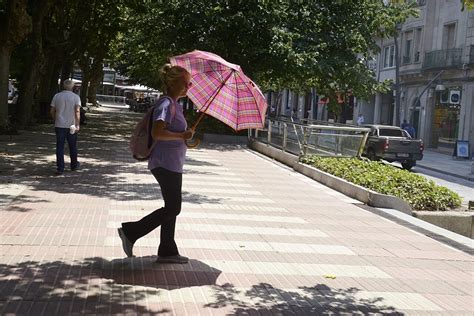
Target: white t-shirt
[(65, 102)]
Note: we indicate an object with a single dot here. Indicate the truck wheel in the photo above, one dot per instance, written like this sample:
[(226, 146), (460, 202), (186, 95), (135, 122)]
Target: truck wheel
[(408, 165), (371, 155)]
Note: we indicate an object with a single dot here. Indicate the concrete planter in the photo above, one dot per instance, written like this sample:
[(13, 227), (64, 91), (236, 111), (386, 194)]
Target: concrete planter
[(357, 192), (459, 222)]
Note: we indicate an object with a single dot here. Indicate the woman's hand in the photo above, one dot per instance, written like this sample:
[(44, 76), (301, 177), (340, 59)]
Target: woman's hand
[(188, 134)]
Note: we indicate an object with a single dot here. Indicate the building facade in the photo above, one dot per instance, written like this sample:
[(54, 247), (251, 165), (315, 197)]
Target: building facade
[(436, 73)]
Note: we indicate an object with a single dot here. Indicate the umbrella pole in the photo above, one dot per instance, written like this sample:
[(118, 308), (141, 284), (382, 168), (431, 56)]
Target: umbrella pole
[(201, 116), (210, 101)]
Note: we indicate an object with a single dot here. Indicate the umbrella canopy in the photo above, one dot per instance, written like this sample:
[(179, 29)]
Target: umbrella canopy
[(222, 90)]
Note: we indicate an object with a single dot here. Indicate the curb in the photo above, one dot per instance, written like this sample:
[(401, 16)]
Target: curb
[(357, 192), (459, 222)]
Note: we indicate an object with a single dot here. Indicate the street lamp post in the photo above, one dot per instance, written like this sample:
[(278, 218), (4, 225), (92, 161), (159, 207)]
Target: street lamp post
[(397, 76)]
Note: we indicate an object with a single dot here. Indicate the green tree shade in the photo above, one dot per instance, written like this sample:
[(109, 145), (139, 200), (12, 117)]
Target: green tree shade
[(280, 44)]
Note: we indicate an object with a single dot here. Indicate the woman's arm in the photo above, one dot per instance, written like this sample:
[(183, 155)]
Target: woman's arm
[(160, 132)]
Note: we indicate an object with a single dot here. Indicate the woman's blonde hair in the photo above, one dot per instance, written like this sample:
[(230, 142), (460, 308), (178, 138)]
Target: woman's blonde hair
[(170, 75)]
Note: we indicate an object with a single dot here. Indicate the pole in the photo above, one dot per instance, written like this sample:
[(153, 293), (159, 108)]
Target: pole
[(426, 87), (397, 80), (206, 106)]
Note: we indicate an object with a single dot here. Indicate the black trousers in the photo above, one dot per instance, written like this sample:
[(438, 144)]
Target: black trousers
[(170, 184)]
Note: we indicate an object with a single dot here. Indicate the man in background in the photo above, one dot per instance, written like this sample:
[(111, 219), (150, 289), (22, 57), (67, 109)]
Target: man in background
[(65, 111)]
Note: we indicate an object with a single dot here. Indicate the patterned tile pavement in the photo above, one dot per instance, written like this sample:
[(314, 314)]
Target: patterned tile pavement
[(263, 240)]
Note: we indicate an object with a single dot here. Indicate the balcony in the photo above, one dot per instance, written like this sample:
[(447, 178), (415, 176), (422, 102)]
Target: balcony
[(471, 55), (445, 58)]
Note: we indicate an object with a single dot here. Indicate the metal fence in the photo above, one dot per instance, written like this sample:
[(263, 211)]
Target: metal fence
[(323, 139), (111, 99)]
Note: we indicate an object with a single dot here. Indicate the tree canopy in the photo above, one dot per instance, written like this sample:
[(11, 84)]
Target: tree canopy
[(280, 43)]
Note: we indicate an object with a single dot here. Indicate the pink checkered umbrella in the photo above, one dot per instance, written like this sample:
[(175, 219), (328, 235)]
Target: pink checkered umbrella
[(222, 90)]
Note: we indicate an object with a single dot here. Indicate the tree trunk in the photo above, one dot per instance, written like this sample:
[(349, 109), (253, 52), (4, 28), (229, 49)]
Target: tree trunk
[(96, 77), (29, 85), (5, 56), (15, 24), (92, 91), (84, 87), (48, 84), (66, 71)]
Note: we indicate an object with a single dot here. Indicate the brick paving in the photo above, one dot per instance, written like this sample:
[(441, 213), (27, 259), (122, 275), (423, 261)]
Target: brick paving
[(263, 240)]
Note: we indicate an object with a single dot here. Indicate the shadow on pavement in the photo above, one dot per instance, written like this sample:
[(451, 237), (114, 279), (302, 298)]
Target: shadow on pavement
[(98, 286), (317, 300), (94, 285), (106, 164)]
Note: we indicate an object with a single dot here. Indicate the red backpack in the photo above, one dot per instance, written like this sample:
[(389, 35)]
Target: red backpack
[(141, 143)]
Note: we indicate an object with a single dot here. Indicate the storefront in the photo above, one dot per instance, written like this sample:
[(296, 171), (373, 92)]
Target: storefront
[(446, 118)]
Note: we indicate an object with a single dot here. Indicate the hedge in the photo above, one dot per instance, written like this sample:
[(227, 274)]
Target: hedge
[(419, 192)]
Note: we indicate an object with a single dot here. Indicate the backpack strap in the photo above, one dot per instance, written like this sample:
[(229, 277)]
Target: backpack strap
[(150, 125)]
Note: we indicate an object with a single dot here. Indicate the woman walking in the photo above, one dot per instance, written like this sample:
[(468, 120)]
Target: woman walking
[(170, 131)]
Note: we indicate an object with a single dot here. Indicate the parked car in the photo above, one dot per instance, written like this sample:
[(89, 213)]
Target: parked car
[(392, 143)]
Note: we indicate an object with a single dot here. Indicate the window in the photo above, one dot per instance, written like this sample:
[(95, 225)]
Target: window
[(449, 36), (389, 56), (391, 132), (418, 44), (407, 47)]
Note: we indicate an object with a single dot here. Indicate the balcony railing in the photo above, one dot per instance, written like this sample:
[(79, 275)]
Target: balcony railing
[(471, 55), (445, 58)]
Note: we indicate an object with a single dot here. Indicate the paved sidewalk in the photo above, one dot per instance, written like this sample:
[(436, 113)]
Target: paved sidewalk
[(446, 164), (263, 240)]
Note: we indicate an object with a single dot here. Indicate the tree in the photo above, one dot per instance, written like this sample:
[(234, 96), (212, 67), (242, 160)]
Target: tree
[(15, 25), (29, 84), (280, 44), (469, 4)]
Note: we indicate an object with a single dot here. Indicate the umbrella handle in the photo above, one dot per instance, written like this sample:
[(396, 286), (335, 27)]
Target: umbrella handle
[(193, 144)]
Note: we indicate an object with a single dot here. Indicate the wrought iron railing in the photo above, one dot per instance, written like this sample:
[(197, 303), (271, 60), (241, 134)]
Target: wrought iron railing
[(445, 58)]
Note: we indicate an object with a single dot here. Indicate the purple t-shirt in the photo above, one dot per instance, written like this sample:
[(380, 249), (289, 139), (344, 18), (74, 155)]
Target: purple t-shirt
[(169, 154)]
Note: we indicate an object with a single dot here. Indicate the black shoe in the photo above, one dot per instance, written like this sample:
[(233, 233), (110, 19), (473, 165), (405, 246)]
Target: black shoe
[(126, 244), (58, 173), (172, 259), (76, 166)]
